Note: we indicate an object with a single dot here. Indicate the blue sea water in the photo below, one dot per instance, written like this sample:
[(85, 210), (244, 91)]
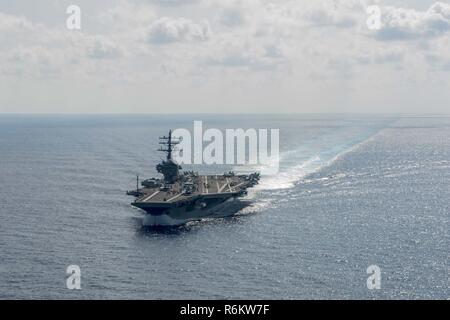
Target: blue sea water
[(352, 191)]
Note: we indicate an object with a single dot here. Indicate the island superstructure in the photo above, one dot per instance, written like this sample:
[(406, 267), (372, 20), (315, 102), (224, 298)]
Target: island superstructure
[(179, 197)]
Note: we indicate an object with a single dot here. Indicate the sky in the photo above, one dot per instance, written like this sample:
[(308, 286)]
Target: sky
[(225, 56)]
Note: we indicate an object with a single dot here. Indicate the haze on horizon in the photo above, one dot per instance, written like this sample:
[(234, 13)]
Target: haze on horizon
[(224, 56)]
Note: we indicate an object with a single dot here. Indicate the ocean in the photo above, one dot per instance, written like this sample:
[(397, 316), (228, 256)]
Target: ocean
[(353, 191)]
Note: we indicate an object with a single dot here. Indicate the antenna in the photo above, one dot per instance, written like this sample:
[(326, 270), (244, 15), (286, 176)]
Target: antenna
[(137, 183), (169, 144)]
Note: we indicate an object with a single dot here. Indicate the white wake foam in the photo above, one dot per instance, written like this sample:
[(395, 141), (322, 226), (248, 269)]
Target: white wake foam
[(287, 178)]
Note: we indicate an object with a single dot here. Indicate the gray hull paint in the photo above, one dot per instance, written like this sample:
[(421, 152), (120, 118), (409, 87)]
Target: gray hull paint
[(179, 215)]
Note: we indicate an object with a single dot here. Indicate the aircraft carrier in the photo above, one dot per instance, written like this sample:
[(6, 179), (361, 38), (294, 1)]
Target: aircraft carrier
[(179, 197)]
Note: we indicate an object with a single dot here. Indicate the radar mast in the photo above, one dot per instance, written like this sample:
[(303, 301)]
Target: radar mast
[(169, 168), (169, 144)]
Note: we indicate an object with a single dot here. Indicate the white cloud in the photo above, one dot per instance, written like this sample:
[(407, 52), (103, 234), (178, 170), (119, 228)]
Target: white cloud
[(174, 2), (292, 50), (167, 30), (125, 16), (11, 22), (341, 14), (410, 24), (103, 48)]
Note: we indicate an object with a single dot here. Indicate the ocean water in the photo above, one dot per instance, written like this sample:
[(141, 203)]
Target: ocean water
[(352, 191)]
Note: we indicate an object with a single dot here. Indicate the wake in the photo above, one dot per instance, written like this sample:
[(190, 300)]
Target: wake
[(289, 176)]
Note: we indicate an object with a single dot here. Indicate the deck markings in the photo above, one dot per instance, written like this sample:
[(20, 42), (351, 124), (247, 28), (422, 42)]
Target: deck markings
[(221, 188), (150, 196), (178, 195), (228, 184), (238, 185)]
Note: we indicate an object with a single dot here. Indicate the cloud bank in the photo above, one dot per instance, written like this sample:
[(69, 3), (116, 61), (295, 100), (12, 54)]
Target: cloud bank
[(225, 56)]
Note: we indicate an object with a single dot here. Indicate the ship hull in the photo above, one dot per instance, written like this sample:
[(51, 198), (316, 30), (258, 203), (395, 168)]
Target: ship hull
[(156, 217)]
